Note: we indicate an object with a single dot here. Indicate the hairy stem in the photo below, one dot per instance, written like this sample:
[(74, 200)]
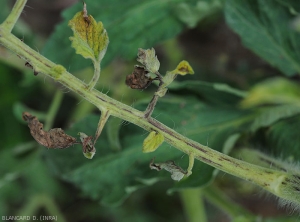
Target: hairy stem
[(267, 178), (203, 153), (258, 158), (14, 15)]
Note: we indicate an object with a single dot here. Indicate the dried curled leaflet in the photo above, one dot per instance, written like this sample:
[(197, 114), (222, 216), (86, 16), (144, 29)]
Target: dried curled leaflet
[(139, 78), (54, 138), (177, 173), (88, 147)]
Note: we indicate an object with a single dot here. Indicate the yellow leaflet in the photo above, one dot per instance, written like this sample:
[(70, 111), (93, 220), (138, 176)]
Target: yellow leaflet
[(152, 142), (90, 38), (183, 68)]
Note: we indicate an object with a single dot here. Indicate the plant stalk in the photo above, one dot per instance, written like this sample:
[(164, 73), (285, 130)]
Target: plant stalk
[(14, 15), (151, 106), (250, 172), (103, 119), (96, 75)]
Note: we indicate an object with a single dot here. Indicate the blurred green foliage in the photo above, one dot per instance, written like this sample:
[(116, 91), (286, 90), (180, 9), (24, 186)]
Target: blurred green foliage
[(38, 181)]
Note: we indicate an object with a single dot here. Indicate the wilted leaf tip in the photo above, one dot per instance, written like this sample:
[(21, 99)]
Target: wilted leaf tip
[(88, 147), (177, 173), (184, 68)]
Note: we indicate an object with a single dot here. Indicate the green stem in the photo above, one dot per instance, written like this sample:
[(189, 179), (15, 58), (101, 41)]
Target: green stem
[(258, 158), (217, 197), (256, 174), (55, 104), (14, 15), (103, 119), (191, 164), (193, 205), (266, 178), (96, 75)]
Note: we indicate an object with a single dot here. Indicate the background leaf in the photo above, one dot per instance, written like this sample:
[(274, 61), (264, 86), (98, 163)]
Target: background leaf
[(213, 93), (264, 27), (271, 114), (191, 14), (283, 138), (272, 91)]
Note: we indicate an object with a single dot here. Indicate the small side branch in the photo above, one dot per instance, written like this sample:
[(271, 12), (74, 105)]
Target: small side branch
[(191, 164), (103, 119), (161, 91), (151, 106), (13, 17), (96, 75)]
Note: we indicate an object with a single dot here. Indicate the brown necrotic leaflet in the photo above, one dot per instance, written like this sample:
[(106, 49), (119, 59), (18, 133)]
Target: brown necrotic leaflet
[(139, 78), (54, 138)]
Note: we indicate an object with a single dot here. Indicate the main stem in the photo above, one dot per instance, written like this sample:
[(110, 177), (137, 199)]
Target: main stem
[(262, 176), (14, 15)]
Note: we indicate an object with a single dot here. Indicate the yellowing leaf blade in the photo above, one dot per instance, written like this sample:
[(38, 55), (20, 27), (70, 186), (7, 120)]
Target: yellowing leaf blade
[(90, 38), (82, 47)]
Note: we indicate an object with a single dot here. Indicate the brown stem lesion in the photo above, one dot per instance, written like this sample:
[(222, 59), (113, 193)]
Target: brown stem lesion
[(14, 15), (151, 106)]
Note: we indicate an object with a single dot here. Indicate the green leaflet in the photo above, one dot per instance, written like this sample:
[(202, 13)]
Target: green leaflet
[(265, 28), (152, 142)]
